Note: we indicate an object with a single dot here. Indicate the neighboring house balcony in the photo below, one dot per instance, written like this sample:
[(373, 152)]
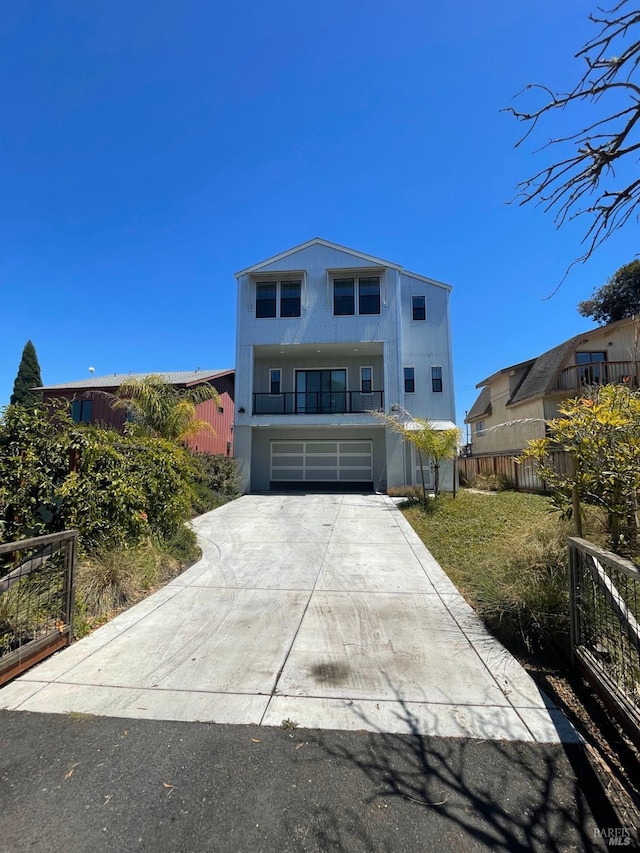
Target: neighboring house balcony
[(598, 372)]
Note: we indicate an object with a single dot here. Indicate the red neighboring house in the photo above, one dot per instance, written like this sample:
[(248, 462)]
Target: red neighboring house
[(89, 403)]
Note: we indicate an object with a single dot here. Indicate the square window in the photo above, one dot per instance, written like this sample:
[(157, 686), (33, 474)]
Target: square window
[(266, 299), (290, 298), (436, 379), (409, 380), (366, 381), (344, 297), (82, 411), (369, 295), (418, 308), (220, 410), (275, 377)]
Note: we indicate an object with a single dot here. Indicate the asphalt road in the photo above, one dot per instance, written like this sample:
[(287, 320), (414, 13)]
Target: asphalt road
[(83, 783)]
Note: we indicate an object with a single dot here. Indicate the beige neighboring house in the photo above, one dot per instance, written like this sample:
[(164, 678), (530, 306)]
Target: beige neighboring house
[(515, 402)]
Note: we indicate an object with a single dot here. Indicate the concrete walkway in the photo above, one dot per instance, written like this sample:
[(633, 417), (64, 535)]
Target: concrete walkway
[(324, 610)]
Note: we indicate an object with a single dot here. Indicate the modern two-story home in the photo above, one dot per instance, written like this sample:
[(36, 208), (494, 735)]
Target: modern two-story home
[(326, 336)]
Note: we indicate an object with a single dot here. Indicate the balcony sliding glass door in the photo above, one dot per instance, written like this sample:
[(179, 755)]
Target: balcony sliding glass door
[(321, 391)]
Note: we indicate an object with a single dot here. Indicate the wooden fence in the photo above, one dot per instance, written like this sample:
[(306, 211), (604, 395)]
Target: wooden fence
[(520, 476)]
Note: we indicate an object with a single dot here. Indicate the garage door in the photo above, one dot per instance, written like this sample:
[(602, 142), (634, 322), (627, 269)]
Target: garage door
[(322, 461)]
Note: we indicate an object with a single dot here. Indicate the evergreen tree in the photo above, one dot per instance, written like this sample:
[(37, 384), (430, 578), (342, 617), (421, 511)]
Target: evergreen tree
[(617, 299), (28, 377)]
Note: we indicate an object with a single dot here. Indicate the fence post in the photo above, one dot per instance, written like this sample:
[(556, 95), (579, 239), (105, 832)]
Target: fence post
[(573, 600), (575, 498)]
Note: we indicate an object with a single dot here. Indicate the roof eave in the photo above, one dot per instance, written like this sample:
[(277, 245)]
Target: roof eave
[(317, 241)]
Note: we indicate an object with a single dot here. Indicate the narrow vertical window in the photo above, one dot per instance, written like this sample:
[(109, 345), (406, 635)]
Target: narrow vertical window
[(409, 380), (344, 296), (275, 377), (266, 299), (369, 295), (366, 381), (418, 308), (436, 379), (290, 298)]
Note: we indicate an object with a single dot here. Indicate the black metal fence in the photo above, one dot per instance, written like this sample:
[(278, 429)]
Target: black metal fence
[(36, 599), (317, 402), (605, 630)]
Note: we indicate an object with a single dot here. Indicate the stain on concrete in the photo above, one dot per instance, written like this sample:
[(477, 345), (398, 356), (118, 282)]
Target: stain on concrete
[(330, 673)]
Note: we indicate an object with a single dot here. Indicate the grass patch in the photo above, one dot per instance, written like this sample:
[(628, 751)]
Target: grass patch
[(506, 553), (110, 581)]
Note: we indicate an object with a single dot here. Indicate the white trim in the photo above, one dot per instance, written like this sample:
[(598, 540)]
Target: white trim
[(433, 281), (279, 281), (318, 241), (355, 275)]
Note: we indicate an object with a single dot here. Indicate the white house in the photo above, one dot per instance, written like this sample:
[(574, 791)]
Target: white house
[(325, 336)]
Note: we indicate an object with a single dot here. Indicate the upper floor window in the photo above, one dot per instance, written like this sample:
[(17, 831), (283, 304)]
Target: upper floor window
[(592, 368), (436, 379), (267, 298), (409, 380), (290, 298), (366, 380), (344, 295), (479, 427), (369, 295), (82, 411), (418, 308)]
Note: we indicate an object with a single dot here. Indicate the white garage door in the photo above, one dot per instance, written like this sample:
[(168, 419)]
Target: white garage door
[(322, 461)]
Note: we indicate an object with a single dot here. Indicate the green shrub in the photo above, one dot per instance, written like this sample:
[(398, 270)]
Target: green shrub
[(114, 489), (215, 481), (183, 546)]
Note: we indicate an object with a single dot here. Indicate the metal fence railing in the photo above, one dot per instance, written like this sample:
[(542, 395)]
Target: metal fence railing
[(36, 599), (317, 402), (605, 629)]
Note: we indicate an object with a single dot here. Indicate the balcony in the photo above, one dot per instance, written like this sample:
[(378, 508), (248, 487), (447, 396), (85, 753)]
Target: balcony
[(579, 376), (318, 403)]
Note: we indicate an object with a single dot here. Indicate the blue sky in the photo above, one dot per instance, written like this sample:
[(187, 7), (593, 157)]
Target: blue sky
[(150, 150)]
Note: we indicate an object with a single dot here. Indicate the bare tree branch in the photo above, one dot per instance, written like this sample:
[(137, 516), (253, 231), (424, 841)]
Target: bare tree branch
[(583, 182)]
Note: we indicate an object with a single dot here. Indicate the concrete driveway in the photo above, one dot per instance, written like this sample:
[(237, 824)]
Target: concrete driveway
[(323, 610)]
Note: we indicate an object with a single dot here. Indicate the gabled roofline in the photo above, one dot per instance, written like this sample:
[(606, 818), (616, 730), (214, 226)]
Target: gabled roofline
[(318, 241), (89, 382), (209, 376), (428, 280), (511, 367)]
